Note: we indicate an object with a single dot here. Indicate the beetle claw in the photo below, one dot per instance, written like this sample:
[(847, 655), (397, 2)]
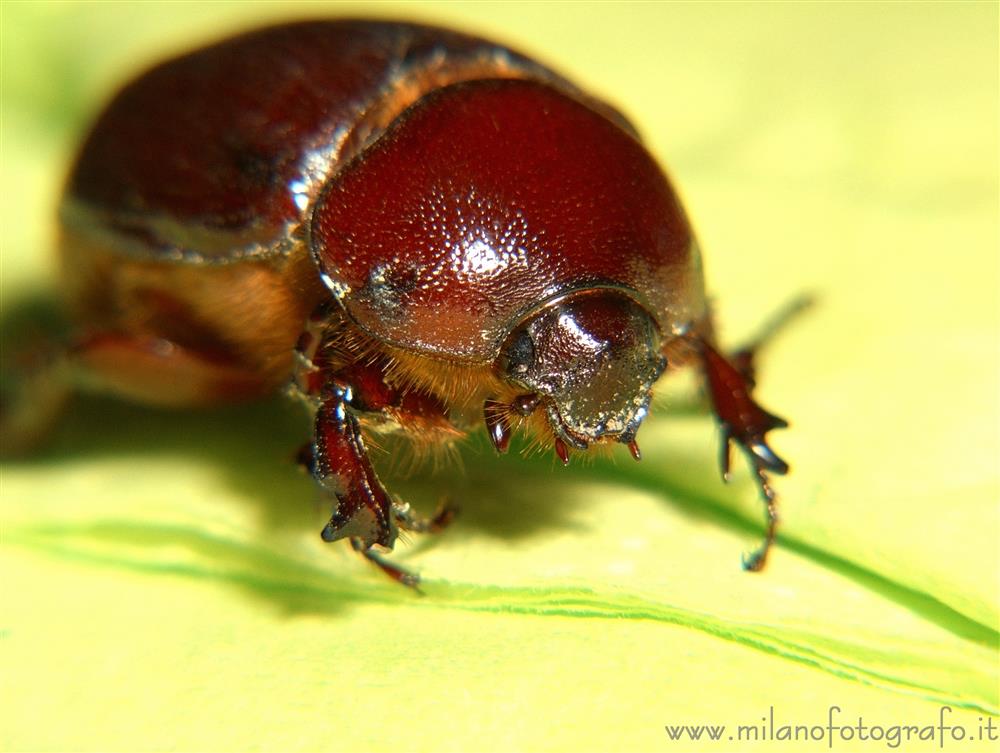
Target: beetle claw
[(764, 457)]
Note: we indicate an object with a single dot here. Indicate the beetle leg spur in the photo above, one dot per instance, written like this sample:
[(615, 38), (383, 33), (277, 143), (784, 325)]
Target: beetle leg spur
[(338, 459)]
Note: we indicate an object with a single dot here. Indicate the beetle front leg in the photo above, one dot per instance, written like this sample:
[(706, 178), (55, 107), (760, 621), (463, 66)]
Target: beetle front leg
[(743, 421), (341, 465), (365, 514)]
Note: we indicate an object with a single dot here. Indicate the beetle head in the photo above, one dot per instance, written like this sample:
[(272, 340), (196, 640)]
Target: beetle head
[(591, 359)]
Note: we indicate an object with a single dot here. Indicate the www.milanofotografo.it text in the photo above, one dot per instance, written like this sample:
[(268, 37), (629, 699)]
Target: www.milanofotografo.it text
[(838, 729)]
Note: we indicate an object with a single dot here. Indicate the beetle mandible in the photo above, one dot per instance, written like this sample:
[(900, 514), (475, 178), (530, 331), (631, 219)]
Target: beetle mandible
[(419, 230)]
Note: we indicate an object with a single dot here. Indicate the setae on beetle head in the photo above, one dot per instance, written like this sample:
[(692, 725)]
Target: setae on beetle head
[(589, 360)]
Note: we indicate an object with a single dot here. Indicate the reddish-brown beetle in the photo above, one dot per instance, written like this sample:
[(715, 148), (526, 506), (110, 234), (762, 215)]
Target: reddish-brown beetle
[(417, 229)]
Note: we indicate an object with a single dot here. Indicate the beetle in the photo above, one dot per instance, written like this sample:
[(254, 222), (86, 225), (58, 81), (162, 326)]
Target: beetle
[(409, 229)]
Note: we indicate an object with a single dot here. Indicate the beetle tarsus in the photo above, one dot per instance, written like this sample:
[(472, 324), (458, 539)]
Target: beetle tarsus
[(408, 521), (398, 574), (755, 560), (744, 422)]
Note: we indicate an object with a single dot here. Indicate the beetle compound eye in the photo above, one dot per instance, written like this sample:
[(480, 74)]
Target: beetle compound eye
[(519, 357)]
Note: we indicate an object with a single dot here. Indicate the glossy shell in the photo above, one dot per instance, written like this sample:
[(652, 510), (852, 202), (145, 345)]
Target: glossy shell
[(218, 152), (462, 185), (486, 199)]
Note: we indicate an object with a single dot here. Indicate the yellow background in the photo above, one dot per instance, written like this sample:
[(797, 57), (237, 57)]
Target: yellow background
[(163, 581)]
